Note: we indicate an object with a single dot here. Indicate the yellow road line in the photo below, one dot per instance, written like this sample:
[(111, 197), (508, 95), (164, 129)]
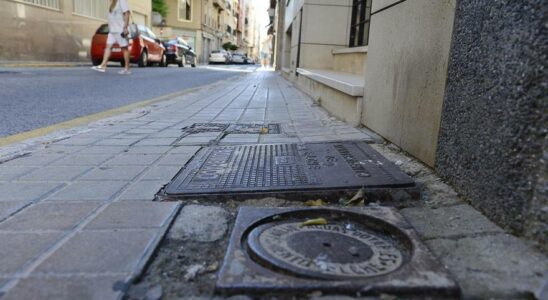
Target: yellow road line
[(90, 118)]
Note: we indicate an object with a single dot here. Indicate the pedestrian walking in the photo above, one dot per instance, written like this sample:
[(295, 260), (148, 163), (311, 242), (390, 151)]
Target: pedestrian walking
[(266, 50), (118, 24)]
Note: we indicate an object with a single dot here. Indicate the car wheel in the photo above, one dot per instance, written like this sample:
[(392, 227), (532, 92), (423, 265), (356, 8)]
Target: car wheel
[(143, 59), (122, 63), (95, 62), (163, 62)]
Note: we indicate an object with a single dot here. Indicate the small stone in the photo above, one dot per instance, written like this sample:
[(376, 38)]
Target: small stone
[(194, 271), (353, 251), (154, 293), (200, 223), (212, 267)]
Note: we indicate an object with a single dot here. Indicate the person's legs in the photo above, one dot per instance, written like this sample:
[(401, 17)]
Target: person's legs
[(110, 41), (126, 58)]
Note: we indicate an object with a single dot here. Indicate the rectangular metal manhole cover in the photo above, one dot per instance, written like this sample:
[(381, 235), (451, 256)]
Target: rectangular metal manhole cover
[(369, 251), (286, 168), (236, 128)]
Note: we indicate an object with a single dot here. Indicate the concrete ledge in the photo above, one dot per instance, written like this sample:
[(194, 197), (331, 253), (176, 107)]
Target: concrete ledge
[(347, 83), (362, 49)]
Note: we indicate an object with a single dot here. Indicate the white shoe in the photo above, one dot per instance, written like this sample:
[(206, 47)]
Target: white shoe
[(98, 69), (124, 72)]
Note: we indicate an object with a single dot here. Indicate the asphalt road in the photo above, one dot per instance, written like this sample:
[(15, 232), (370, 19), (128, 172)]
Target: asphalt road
[(32, 98)]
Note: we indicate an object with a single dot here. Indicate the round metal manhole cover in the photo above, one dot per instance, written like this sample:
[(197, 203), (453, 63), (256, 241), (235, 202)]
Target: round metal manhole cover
[(342, 249)]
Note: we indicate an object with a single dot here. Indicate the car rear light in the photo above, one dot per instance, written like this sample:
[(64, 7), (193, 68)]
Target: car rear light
[(173, 48)]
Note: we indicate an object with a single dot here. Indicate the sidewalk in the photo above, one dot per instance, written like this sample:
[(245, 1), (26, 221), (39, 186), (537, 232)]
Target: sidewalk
[(77, 219)]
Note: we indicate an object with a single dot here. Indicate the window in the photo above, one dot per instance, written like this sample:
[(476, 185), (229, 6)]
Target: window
[(359, 26), (45, 3), (92, 8), (185, 10)]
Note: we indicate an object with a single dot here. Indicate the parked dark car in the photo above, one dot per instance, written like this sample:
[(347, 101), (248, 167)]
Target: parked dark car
[(179, 52), (144, 47)]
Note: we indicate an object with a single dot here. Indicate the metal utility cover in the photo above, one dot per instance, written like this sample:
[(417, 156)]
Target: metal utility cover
[(365, 251), (238, 128), (286, 168)]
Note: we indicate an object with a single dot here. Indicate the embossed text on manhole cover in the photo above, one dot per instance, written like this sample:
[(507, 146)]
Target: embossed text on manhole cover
[(287, 168), (369, 250)]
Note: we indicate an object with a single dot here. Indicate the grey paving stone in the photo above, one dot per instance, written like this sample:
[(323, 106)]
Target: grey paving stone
[(149, 149), (29, 191), (143, 190), (156, 142), (9, 207), (200, 223), (49, 216), (493, 267), (167, 134), (244, 138), (67, 288), (175, 160), (99, 252), (185, 150), (114, 173), (89, 190), (117, 142), (55, 173), (17, 249), (12, 172), (62, 149), (162, 173), (126, 159), (103, 150), (78, 141), (79, 159), (450, 221), (34, 160), (134, 214)]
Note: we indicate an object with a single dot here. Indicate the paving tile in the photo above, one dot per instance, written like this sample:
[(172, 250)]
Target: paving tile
[(49, 216), (156, 142), (134, 214), (17, 249), (55, 173), (79, 159), (62, 149), (117, 142), (162, 173), (26, 190), (143, 190), (9, 207), (89, 190), (113, 173), (78, 141), (68, 288), (33, 160), (103, 150), (127, 159), (149, 149), (185, 149), (12, 172), (99, 252), (450, 221), (175, 159), (493, 267)]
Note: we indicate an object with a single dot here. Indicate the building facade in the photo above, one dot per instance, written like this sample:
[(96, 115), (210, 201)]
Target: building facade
[(440, 80), (56, 30)]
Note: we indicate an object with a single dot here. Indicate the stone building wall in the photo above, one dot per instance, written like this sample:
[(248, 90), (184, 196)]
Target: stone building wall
[(492, 141)]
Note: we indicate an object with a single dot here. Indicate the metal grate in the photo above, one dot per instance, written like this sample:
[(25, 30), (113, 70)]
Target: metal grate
[(286, 167)]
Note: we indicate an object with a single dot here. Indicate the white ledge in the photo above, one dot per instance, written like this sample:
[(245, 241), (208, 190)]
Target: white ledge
[(362, 49), (347, 83)]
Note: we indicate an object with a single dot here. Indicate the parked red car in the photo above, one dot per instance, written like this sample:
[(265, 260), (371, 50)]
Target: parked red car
[(144, 47)]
